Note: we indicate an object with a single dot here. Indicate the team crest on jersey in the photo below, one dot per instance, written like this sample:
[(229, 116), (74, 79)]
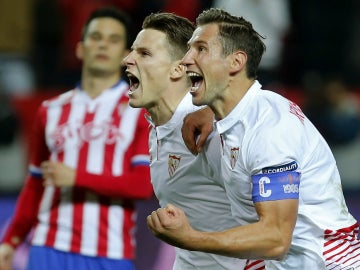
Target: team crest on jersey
[(234, 155), (173, 162)]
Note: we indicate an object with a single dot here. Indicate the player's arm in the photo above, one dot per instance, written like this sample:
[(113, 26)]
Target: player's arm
[(133, 184), (27, 205), (25, 214), (196, 128), (269, 238), (24, 218)]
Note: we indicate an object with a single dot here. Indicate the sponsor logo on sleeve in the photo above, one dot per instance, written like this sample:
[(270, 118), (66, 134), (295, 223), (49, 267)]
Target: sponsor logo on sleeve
[(292, 166)]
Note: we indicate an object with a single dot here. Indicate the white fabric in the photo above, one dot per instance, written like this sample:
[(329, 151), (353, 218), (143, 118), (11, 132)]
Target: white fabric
[(270, 130), (193, 184)]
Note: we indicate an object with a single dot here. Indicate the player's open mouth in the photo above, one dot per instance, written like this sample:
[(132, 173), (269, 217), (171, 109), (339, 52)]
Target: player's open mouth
[(134, 82), (196, 80)]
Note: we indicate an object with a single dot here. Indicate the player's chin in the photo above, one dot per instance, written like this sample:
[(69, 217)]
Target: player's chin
[(196, 100), (134, 103)]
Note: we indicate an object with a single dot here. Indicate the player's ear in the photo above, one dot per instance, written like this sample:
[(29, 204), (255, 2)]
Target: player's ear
[(177, 70), (238, 61), (79, 50)]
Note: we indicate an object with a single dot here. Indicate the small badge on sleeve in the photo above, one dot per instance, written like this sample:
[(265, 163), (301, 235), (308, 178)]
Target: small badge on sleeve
[(275, 186)]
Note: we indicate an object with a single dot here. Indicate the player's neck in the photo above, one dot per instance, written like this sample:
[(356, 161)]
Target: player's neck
[(231, 96), (165, 107), (94, 86)]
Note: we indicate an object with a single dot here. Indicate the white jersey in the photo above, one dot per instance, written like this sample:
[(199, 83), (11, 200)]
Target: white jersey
[(266, 133), (193, 184)]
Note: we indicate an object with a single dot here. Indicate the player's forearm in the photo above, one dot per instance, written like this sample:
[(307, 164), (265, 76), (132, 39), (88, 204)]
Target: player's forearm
[(26, 212), (135, 184), (253, 241)]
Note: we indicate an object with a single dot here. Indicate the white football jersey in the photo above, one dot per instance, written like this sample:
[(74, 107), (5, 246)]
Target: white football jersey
[(267, 135), (193, 184)]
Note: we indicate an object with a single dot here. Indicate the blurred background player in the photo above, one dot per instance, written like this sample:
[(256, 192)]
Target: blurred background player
[(89, 162)]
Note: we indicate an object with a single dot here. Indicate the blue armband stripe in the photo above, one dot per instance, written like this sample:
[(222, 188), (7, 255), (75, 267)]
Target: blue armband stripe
[(275, 186), (35, 172)]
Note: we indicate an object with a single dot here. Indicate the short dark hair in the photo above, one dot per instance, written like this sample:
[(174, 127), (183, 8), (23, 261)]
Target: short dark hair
[(114, 13), (236, 33), (178, 30)]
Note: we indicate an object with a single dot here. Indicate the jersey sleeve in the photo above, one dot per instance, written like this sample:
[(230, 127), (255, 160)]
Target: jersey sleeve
[(26, 210), (273, 161), (274, 143), (134, 183)]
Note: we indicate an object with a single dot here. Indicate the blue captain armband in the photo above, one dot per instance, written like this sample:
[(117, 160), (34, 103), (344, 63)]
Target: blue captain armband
[(275, 186)]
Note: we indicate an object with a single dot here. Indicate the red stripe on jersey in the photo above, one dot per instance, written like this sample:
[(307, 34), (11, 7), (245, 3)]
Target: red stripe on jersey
[(54, 210), (107, 170), (255, 265), (79, 193), (103, 225), (110, 148), (342, 248), (50, 239), (78, 206), (128, 231)]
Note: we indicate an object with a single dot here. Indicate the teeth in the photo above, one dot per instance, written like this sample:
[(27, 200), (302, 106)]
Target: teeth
[(193, 74), (193, 89)]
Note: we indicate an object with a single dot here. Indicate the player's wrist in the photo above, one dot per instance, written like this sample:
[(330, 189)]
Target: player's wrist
[(12, 241)]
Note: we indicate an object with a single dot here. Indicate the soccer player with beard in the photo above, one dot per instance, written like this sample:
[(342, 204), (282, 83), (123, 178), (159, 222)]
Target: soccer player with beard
[(89, 163), (158, 82)]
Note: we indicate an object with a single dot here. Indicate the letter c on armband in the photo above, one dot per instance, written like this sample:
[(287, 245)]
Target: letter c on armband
[(262, 189)]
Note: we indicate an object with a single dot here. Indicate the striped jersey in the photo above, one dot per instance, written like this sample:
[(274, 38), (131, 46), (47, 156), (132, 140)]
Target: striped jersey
[(103, 139), (192, 183), (267, 134)]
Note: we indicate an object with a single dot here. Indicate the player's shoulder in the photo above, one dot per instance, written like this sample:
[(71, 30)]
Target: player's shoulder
[(274, 109), (60, 99)]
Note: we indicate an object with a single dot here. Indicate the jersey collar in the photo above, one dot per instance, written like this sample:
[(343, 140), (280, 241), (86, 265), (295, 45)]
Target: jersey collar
[(184, 107), (239, 110)]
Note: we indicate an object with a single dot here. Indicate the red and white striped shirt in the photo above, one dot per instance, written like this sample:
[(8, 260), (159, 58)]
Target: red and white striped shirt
[(104, 139)]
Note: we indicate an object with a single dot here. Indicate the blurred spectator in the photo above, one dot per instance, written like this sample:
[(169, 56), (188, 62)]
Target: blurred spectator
[(272, 21), (47, 37), (319, 39), (16, 74), (187, 8), (352, 57), (333, 109), (16, 79)]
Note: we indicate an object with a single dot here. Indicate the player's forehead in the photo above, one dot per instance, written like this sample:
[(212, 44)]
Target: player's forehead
[(150, 39), (106, 25), (204, 34)]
